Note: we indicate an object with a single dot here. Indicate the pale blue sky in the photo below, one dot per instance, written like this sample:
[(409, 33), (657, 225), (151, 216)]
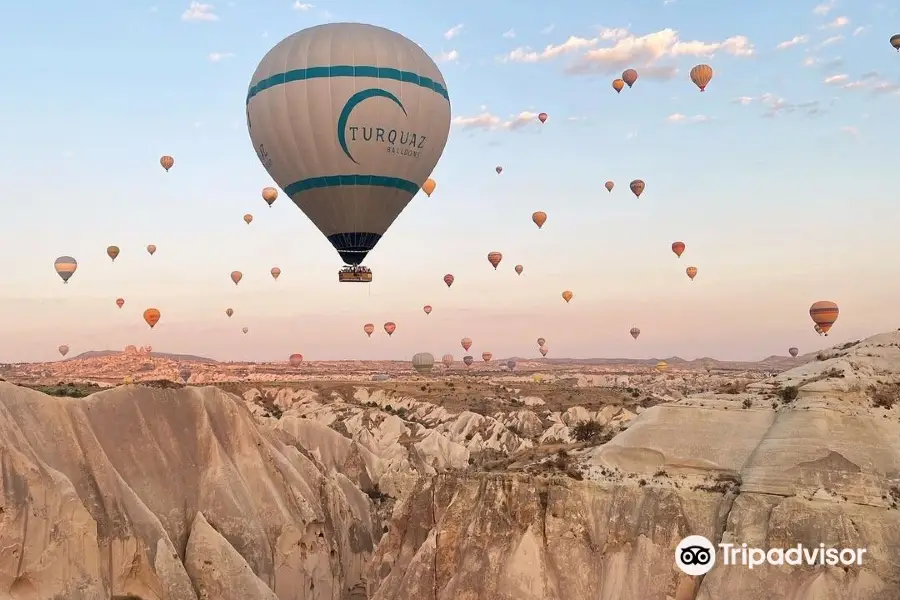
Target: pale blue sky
[(784, 198)]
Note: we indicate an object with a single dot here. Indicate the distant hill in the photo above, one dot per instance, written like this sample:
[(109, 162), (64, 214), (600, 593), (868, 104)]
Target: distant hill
[(773, 362), (178, 357)]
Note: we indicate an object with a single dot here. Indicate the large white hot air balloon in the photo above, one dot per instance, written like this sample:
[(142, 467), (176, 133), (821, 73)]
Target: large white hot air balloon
[(350, 120)]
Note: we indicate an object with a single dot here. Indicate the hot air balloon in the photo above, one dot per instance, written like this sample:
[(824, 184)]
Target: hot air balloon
[(895, 41), (120, 302), (63, 349), (428, 187), (539, 218), (691, 272), (448, 279), (369, 328), (486, 356), (701, 76), (662, 366), (447, 359), (543, 350), (618, 85), (794, 352), (275, 271), (466, 343), (818, 329), (423, 362), (295, 360), (510, 364), (542, 117), (519, 269), (269, 194), (390, 327), (494, 258), (248, 218), (468, 360), (609, 186), (629, 76), (112, 252), (637, 187), (635, 332), (541, 342), (567, 296), (167, 162), (151, 316), (184, 373), (678, 248), (499, 169), (151, 249), (245, 329), (824, 313), (236, 277), (376, 125), (65, 267), (427, 309)]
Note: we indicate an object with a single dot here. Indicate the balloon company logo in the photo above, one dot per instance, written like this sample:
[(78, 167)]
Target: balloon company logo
[(396, 141)]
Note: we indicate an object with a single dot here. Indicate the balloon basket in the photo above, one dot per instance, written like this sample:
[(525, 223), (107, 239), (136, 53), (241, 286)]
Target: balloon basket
[(355, 275)]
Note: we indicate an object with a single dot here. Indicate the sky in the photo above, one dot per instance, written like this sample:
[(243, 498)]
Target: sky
[(781, 179)]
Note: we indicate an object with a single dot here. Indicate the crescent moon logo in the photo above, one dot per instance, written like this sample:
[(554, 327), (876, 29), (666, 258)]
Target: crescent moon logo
[(352, 103)]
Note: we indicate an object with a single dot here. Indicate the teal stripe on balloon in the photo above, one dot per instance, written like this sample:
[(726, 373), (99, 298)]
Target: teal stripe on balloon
[(329, 181), (347, 71)]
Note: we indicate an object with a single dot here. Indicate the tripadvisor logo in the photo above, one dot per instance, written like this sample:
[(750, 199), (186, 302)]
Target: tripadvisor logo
[(399, 142)]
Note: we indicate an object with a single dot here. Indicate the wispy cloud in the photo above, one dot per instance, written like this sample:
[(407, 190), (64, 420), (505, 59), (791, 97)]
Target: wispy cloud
[(850, 131), (453, 31), (451, 56), (824, 8), (744, 100), (302, 6), (219, 56), (489, 122), (550, 51), (510, 34), (794, 41), (860, 30), (548, 29), (871, 81), (837, 23), (832, 40), (198, 11), (680, 118), (836, 79)]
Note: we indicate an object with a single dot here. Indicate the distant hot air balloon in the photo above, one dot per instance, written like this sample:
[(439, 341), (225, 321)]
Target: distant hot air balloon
[(466, 343), (65, 267), (519, 269), (499, 169), (447, 359), (701, 76), (609, 186), (539, 218), (112, 252), (618, 85), (818, 329), (543, 350), (691, 272), (468, 360), (185, 373), (245, 329), (275, 271), (635, 332), (151, 316), (423, 362), (629, 76), (494, 258), (248, 218), (895, 41), (824, 313), (63, 349), (542, 117), (295, 360), (369, 328), (236, 277), (151, 249), (794, 352), (229, 311), (567, 296), (390, 327), (448, 279), (167, 162), (428, 187), (427, 309), (662, 366), (486, 356), (678, 248), (270, 194), (510, 364), (541, 342), (128, 380), (120, 302), (637, 187)]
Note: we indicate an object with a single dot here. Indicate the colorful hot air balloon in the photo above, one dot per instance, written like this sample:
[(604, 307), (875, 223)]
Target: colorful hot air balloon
[(701, 76), (447, 359), (818, 329), (151, 316), (468, 360), (428, 187), (275, 272), (236, 277), (63, 349), (369, 328), (245, 329), (895, 41), (229, 311), (427, 309), (635, 332), (486, 356), (248, 218), (609, 186), (543, 350), (448, 279), (166, 162), (567, 296), (629, 76), (185, 373), (539, 218), (824, 313), (269, 194), (618, 85), (519, 269), (295, 360), (494, 258), (499, 169), (423, 362), (65, 267), (542, 117), (678, 248), (112, 252), (510, 364), (466, 343), (151, 249), (691, 272), (376, 123), (662, 366), (637, 187), (794, 352), (541, 342), (390, 327), (120, 302)]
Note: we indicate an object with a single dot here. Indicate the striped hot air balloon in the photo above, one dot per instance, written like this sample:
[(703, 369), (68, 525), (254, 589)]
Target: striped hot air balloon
[(824, 313), (448, 279), (637, 187), (466, 343), (151, 316), (447, 359), (423, 362), (691, 272), (486, 356), (369, 328), (468, 360), (494, 258), (794, 352), (166, 162), (65, 267), (635, 332), (701, 75), (270, 194)]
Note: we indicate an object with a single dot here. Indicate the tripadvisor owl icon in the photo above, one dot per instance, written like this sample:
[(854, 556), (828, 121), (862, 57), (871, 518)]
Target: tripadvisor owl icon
[(695, 555)]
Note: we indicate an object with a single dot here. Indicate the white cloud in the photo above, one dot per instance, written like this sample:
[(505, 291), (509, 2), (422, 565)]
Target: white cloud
[(453, 31), (680, 118), (451, 56), (550, 51), (871, 81), (509, 34), (860, 30), (837, 23), (832, 40), (824, 8), (303, 7), (548, 29), (794, 41), (745, 100), (851, 131), (836, 79), (219, 56), (489, 122), (776, 106), (198, 11)]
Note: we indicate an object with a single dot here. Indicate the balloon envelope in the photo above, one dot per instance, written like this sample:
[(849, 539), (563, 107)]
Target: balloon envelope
[(629, 76), (466, 343), (166, 162), (65, 267), (678, 248), (824, 313), (701, 76), (494, 258), (423, 362), (635, 332), (447, 359), (519, 269), (691, 272), (369, 328), (120, 302), (510, 364), (112, 252), (609, 186), (229, 311), (468, 360), (270, 194), (637, 187), (794, 352), (151, 316), (486, 356), (295, 360), (539, 218), (618, 85), (236, 277), (63, 349), (567, 295), (151, 249), (448, 279), (390, 327), (427, 309)]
